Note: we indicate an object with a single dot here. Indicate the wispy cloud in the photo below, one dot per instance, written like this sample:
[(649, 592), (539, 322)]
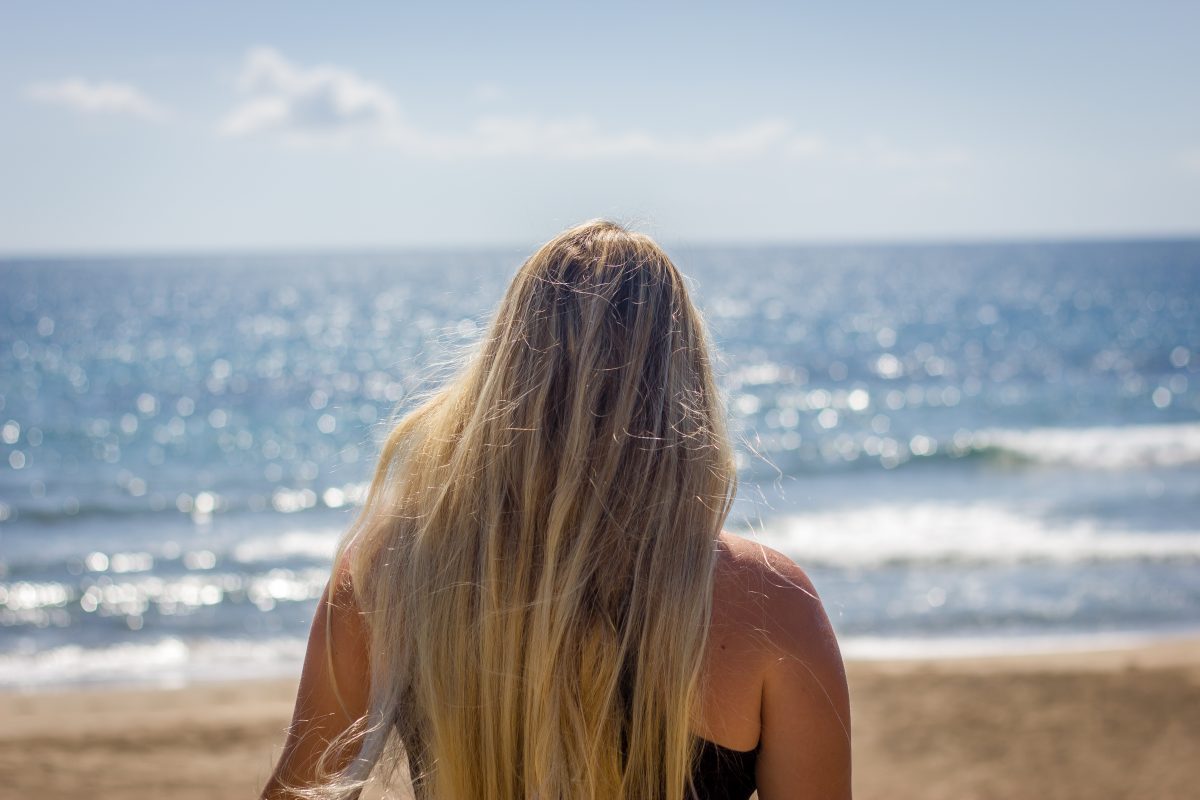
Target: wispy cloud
[(96, 97), (328, 104), (334, 105), (307, 104)]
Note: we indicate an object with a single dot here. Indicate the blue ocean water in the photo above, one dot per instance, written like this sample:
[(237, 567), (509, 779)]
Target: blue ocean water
[(969, 447)]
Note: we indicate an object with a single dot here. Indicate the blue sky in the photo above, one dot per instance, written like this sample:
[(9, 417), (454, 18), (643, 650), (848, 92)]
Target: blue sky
[(222, 126)]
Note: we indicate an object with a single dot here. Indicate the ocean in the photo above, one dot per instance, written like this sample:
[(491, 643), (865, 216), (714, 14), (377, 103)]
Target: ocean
[(971, 449)]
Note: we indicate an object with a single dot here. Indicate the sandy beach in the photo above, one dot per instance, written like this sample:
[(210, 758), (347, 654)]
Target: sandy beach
[(1120, 724)]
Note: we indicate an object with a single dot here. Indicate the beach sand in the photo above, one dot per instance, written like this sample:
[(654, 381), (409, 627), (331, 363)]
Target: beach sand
[(1121, 724)]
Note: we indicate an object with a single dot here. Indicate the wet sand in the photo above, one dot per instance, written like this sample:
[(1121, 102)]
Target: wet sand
[(1122, 724)]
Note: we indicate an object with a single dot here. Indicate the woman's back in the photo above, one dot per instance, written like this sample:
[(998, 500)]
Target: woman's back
[(539, 569)]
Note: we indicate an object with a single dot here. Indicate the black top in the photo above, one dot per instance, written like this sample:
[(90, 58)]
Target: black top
[(724, 774), (720, 773)]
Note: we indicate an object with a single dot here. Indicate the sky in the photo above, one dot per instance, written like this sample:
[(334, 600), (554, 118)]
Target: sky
[(132, 127)]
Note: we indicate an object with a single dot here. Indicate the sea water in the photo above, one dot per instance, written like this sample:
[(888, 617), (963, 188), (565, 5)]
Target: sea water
[(970, 448)]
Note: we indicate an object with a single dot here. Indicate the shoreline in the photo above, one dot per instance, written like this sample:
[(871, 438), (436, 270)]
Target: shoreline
[(1106, 723), (883, 652)]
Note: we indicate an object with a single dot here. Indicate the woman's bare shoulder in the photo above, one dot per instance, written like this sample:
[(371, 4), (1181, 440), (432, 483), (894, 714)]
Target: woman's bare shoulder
[(764, 589), (756, 575)]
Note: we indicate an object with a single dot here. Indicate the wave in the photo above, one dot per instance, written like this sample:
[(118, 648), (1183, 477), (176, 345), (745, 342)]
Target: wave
[(1104, 448), (105, 503), (237, 543), (968, 533), (1107, 448), (167, 662), (44, 602), (316, 545)]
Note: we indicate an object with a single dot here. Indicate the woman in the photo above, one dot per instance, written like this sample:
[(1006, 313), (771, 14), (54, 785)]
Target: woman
[(538, 601)]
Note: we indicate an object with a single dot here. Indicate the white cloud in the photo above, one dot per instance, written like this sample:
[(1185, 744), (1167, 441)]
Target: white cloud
[(96, 98), (307, 104), (327, 104)]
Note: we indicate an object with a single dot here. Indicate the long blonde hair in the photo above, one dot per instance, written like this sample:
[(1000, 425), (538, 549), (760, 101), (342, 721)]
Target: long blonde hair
[(535, 556)]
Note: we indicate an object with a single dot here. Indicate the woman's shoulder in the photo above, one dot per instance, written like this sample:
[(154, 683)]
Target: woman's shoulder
[(765, 592), (758, 576)]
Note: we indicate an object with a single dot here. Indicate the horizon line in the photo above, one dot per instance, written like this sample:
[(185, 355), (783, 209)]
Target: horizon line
[(267, 250)]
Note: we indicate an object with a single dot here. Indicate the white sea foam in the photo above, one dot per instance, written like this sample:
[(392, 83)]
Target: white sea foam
[(44, 603), (167, 662), (317, 544), (967, 533), (1111, 448)]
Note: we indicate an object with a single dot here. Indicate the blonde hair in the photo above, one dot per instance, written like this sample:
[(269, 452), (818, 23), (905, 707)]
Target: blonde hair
[(535, 556)]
